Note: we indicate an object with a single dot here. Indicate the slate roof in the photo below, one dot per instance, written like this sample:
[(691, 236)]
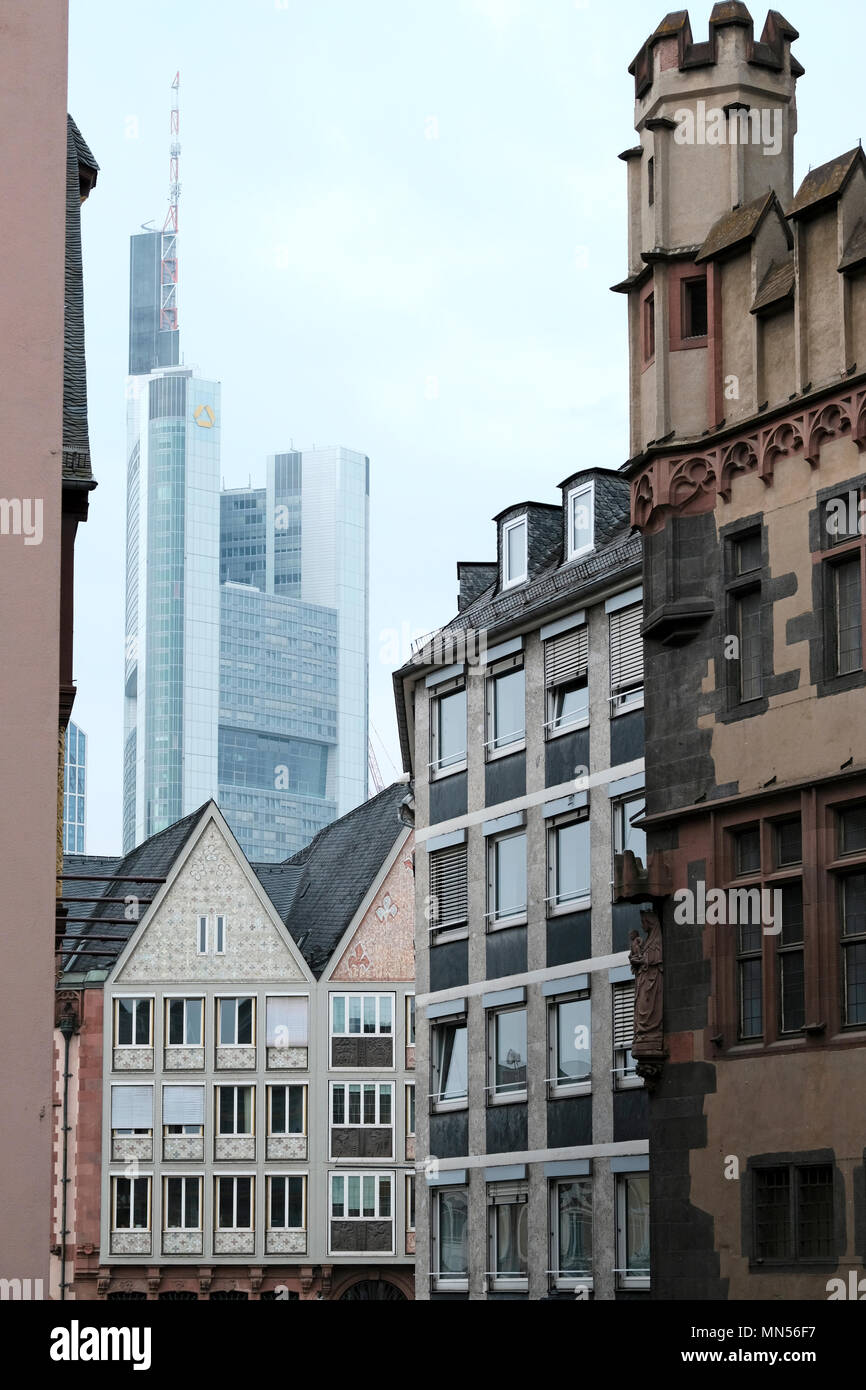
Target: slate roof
[(855, 251), (737, 226), (827, 181), (315, 892), (777, 284), (81, 171)]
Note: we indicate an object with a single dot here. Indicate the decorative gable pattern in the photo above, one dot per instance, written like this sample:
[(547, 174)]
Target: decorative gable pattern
[(211, 882), (383, 946)]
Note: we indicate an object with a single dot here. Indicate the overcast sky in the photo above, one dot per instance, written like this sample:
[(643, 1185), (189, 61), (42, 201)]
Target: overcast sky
[(399, 221)]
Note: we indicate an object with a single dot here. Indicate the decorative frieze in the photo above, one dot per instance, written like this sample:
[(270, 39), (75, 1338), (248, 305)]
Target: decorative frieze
[(181, 1242), (234, 1242), (287, 1146), (286, 1057), (235, 1146), (184, 1059), (286, 1242), (130, 1242), (183, 1146), (235, 1059), (132, 1146), (132, 1059)]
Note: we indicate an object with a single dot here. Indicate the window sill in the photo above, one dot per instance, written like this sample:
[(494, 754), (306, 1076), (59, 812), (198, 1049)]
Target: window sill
[(563, 909), (441, 1285), (499, 1285), (512, 1098), (441, 937), (445, 1107), (629, 1083), (575, 726), (617, 710), (580, 1088), (506, 750), (502, 923), (439, 774)]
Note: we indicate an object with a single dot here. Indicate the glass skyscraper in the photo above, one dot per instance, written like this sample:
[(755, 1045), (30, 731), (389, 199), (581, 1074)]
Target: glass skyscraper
[(74, 790), (246, 616)]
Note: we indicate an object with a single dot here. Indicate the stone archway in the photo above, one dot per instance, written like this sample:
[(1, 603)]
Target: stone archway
[(367, 1290)]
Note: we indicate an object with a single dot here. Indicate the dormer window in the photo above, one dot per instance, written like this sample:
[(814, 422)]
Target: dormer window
[(514, 552), (580, 521)]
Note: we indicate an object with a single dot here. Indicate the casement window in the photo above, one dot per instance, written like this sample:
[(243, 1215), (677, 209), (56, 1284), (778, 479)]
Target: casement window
[(181, 1203), (362, 1103), (449, 1065), (791, 961), (286, 1020), (237, 1026), (130, 1204), (649, 329), (626, 658), (367, 1015), (566, 680), (235, 1110), (410, 1108), (506, 707), (133, 1022), (747, 619), (449, 890), (580, 520), (514, 552), (211, 935), (287, 1109), (506, 879), (747, 851), (744, 568), (624, 1073), (361, 1196), (448, 727), (847, 617), (750, 979), (570, 1025), (450, 1237), (410, 1020), (792, 1208), (852, 830), (410, 1202), (632, 1230), (183, 1110), (788, 842), (235, 1203), (694, 307), (508, 1234), (844, 576), (746, 552), (627, 835), (852, 892), (506, 1055), (183, 1022), (651, 180), (568, 865), (131, 1111), (287, 1202), (571, 1232)]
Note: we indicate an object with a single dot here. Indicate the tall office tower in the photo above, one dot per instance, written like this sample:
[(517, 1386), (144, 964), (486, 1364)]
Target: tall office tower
[(152, 343), (74, 790), (293, 649)]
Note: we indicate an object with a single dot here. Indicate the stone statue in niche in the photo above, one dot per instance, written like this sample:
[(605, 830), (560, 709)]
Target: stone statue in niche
[(645, 959)]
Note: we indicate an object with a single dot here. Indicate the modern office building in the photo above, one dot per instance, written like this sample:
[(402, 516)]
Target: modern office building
[(521, 722), (246, 613), (747, 328), (75, 791), (239, 1116)]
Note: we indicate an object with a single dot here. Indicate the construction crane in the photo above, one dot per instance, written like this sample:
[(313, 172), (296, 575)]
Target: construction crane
[(373, 765), (168, 267)]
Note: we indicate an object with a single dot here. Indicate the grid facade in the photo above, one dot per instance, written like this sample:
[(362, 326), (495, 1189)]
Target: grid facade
[(74, 790)]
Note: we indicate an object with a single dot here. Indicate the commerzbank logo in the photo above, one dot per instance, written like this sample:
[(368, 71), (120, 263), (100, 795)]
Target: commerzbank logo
[(203, 416)]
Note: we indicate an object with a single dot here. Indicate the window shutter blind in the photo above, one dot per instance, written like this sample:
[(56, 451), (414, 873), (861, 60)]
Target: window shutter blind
[(623, 1015), (448, 885), (626, 648), (183, 1105), (289, 1016), (132, 1107), (566, 657)]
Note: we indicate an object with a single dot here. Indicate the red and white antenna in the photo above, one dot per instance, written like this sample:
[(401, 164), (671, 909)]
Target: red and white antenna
[(168, 270)]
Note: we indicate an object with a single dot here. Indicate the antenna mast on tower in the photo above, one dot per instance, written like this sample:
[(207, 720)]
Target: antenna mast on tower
[(168, 268)]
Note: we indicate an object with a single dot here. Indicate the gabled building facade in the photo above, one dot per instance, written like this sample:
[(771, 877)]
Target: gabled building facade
[(747, 313), (244, 1072), (521, 723)]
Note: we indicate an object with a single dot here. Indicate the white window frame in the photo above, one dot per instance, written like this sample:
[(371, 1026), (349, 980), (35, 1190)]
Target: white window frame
[(409, 1090), (220, 936), (625, 1280), (378, 1175), (493, 748), (366, 994), (237, 998), (563, 1280), (555, 1086), (438, 1105), (137, 999), (409, 1202), (234, 1086), (557, 907), (618, 805), (285, 994), (505, 1195), (441, 692), (131, 1179), (623, 1078), (574, 552), (456, 1282), (185, 999), (270, 1178), (495, 1096), (287, 1133), (203, 935), (410, 1019), (623, 701), (458, 929), (234, 1178), (509, 580), (184, 1178), (129, 1133), (519, 916), (361, 1124), (189, 1131)]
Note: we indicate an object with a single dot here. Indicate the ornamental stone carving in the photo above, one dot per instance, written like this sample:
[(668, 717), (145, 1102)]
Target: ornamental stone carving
[(382, 948), (287, 1146), (133, 1059), (212, 880), (132, 1146), (184, 1059), (181, 1242), (130, 1242), (285, 1057), (690, 481), (234, 1242), (286, 1242), (235, 1146), (182, 1146)]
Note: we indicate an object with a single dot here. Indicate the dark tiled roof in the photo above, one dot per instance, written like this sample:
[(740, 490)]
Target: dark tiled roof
[(855, 251), (827, 181), (318, 891), (777, 284), (153, 858), (80, 164), (737, 226)]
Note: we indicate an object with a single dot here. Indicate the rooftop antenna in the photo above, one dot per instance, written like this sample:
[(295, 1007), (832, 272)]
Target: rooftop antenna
[(168, 267)]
